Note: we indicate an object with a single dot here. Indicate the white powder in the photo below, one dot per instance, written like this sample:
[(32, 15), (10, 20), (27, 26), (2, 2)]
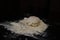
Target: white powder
[(28, 26)]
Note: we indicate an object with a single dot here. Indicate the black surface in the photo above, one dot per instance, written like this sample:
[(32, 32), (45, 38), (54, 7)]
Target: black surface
[(51, 34), (47, 10)]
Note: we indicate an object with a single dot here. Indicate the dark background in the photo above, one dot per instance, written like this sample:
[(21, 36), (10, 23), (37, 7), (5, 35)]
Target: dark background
[(46, 9), (49, 9)]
